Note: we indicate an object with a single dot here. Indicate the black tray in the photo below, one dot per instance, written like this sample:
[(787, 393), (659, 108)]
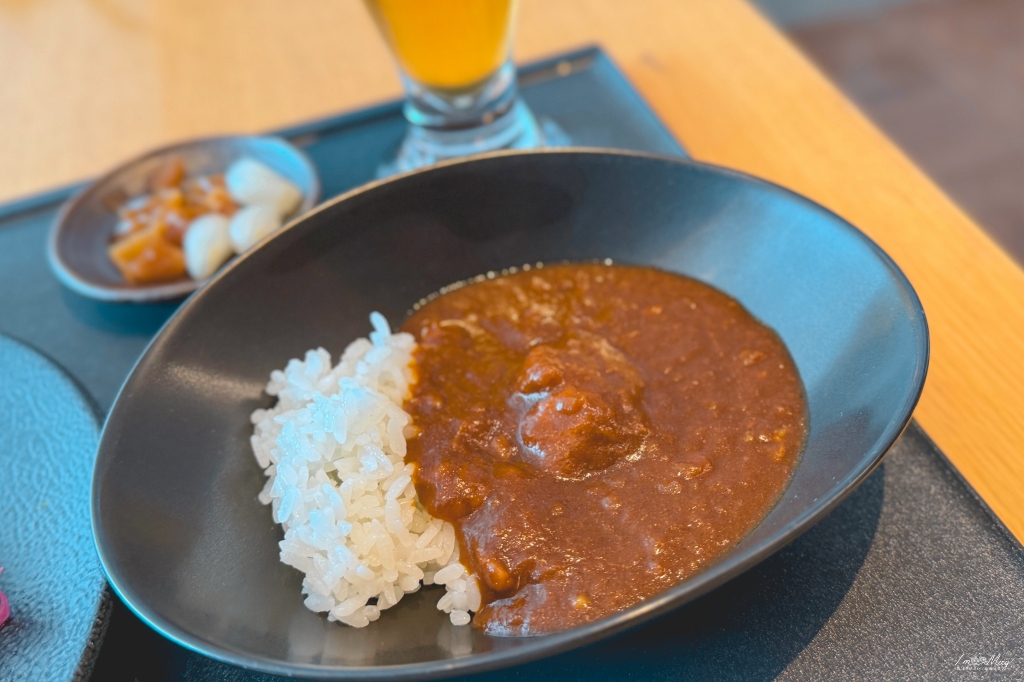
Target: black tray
[(910, 578)]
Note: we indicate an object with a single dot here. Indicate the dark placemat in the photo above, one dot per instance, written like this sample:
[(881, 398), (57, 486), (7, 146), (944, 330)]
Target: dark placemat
[(904, 579)]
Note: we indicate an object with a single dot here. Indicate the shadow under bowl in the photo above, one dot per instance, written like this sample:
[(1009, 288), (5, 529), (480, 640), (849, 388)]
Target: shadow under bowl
[(179, 529), (84, 226)]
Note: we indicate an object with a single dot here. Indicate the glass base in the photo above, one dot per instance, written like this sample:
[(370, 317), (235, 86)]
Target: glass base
[(517, 128)]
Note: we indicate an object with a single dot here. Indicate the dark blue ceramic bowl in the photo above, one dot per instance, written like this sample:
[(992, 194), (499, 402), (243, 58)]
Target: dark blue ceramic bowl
[(190, 549)]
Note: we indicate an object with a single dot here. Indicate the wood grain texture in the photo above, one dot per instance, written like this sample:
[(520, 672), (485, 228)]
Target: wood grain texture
[(943, 79), (88, 82)]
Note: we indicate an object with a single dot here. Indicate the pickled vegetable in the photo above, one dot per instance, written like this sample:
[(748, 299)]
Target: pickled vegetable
[(148, 256), (151, 239)]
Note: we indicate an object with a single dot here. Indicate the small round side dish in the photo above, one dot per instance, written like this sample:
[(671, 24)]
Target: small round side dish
[(84, 227), (180, 530)]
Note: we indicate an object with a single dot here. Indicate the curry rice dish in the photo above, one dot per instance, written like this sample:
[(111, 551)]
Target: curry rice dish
[(593, 435)]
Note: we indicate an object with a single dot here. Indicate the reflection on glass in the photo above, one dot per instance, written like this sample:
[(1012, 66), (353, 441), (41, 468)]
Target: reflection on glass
[(454, 58)]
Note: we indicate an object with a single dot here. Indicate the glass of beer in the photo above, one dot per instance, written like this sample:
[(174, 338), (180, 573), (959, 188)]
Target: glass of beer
[(454, 57)]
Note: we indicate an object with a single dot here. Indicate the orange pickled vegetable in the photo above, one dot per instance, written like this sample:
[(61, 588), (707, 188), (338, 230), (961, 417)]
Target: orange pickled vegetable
[(170, 174), (209, 194), (148, 256)]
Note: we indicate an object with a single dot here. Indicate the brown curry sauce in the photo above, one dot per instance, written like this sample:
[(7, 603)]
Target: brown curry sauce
[(596, 434)]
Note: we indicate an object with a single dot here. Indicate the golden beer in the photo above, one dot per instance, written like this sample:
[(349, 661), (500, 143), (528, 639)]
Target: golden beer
[(446, 44)]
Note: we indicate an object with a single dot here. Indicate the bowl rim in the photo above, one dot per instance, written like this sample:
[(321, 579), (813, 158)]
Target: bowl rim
[(541, 646), (167, 290)]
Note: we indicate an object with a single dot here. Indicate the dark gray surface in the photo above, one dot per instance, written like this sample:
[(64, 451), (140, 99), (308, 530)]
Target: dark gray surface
[(52, 576), (900, 581)]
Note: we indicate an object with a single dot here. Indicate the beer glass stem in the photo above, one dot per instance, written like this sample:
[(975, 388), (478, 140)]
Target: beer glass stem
[(442, 110), (447, 124)]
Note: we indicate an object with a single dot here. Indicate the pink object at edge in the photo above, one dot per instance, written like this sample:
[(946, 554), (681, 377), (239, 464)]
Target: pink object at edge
[(5, 606)]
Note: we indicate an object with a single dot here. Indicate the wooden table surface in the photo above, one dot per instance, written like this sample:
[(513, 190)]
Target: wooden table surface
[(86, 83)]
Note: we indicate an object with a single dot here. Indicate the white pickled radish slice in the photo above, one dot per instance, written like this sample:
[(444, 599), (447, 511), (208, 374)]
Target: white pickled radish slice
[(251, 224), (206, 245), (253, 183)]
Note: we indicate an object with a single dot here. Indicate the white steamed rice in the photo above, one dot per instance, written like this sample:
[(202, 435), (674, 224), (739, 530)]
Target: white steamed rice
[(333, 450)]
